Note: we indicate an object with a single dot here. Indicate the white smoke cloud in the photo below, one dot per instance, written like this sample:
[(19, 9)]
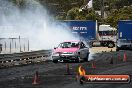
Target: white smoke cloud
[(32, 22)]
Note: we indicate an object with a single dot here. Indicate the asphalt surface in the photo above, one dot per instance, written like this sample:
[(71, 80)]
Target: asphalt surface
[(56, 76)]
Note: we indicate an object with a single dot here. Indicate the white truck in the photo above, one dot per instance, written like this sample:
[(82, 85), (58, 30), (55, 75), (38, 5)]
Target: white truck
[(106, 36)]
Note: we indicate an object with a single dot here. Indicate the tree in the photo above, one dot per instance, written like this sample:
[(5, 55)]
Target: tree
[(19, 3), (97, 4), (121, 14), (92, 15), (71, 14), (76, 14)]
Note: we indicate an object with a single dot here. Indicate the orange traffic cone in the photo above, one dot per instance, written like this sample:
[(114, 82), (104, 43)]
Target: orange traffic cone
[(77, 76), (111, 60), (119, 56), (111, 50), (35, 79), (125, 57), (93, 65)]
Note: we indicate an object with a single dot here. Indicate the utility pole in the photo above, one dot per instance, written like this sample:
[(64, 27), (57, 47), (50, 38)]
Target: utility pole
[(5, 45), (15, 45), (28, 45), (20, 43), (10, 46), (24, 47)]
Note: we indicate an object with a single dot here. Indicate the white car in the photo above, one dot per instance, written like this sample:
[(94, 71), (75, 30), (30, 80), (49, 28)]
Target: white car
[(123, 44), (70, 51)]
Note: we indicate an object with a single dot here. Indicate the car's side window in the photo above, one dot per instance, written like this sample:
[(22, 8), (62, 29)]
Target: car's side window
[(82, 45)]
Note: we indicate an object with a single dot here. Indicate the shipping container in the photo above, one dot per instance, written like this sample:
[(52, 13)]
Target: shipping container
[(125, 29), (84, 29)]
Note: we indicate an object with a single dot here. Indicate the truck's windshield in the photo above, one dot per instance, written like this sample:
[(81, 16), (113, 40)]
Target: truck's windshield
[(104, 33)]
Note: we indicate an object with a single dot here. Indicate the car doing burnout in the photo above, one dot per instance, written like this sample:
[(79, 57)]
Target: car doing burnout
[(70, 51)]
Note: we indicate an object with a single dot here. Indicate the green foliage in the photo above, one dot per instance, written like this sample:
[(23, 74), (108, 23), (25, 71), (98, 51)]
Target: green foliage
[(60, 17), (121, 14), (76, 14), (19, 3), (117, 9), (97, 4), (71, 14), (91, 15)]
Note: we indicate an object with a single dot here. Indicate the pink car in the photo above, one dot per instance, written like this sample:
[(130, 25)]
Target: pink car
[(70, 51)]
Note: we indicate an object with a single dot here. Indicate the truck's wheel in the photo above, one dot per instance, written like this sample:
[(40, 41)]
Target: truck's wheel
[(110, 45), (117, 49)]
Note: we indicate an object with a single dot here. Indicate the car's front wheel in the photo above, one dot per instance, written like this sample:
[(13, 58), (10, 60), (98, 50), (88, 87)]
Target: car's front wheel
[(79, 59), (55, 61), (86, 58)]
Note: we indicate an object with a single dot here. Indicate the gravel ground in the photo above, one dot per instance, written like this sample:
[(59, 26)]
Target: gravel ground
[(55, 75)]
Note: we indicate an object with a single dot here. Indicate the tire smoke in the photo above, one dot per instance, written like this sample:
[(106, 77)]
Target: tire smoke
[(32, 22)]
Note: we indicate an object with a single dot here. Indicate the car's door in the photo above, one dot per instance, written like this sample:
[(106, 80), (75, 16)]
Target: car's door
[(83, 50), (86, 49)]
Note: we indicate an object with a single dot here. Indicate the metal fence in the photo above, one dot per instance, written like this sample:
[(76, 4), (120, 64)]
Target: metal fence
[(7, 60)]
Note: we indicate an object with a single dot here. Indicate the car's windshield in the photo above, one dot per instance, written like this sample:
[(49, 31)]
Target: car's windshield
[(68, 45)]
